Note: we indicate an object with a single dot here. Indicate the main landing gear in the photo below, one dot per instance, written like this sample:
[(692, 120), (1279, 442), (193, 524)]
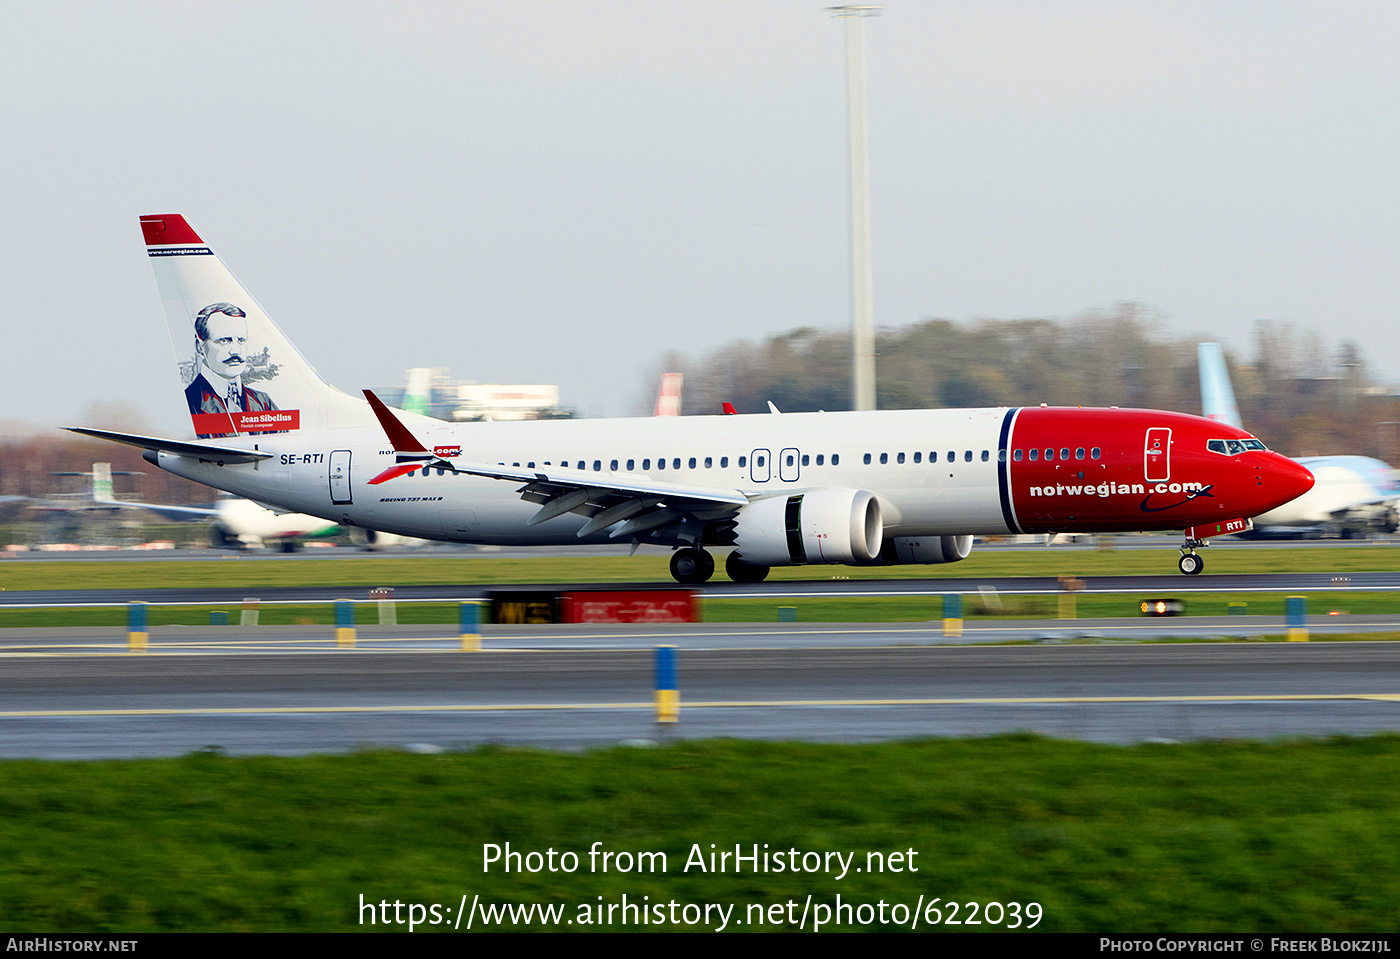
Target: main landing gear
[(692, 565), (1191, 563)]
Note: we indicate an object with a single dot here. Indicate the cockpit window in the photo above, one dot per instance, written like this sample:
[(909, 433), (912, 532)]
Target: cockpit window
[(1234, 447)]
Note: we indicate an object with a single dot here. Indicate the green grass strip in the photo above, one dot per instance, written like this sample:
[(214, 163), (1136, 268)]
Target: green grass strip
[(242, 572), (1220, 836)]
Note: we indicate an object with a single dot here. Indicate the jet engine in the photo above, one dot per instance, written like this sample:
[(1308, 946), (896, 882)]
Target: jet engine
[(817, 526), (364, 538), (928, 550)]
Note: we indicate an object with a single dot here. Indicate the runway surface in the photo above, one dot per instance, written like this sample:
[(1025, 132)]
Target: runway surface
[(289, 690)]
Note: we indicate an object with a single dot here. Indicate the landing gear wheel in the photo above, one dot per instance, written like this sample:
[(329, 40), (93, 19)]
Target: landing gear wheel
[(742, 572), (692, 566), (1191, 564)]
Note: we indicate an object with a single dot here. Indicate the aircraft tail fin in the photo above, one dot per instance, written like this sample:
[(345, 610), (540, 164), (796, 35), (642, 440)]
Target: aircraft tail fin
[(417, 398), (241, 375), (1217, 395), (668, 398), (102, 483)]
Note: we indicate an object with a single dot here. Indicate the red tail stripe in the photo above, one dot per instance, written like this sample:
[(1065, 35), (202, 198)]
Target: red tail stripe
[(168, 229)]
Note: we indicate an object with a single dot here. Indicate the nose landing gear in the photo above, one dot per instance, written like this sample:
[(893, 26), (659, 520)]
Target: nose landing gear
[(1191, 563)]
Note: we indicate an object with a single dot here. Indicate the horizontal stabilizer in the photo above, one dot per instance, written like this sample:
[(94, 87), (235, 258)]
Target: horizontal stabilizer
[(224, 454)]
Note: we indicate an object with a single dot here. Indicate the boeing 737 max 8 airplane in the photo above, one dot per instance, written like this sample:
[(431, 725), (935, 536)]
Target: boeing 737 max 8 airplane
[(865, 488)]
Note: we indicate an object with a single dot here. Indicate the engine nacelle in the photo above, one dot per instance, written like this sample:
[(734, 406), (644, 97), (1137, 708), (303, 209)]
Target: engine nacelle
[(928, 550), (818, 526), (364, 538)]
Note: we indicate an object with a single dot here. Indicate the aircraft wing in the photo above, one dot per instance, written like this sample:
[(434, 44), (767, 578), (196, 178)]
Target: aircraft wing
[(627, 501), (174, 513), (204, 451)]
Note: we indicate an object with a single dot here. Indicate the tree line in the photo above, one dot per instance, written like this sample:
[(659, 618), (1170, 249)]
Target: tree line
[(1295, 393)]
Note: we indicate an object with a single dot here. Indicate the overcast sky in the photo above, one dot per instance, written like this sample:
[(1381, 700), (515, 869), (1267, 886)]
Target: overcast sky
[(559, 192)]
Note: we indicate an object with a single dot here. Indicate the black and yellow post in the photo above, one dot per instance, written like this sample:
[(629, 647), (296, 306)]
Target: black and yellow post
[(136, 634), (668, 693), (469, 620), (952, 614), (344, 623), (1297, 619), (1069, 585)]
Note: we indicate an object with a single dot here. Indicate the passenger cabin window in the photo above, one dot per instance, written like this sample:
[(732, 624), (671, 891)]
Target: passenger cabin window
[(967, 456), (835, 459), (899, 458), (646, 464), (1064, 454), (1049, 455), (724, 462), (986, 455), (805, 459), (884, 458), (1034, 455), (918, 457), (709, 462), (819, 459), (1094, 453), (660, 463), (743, 461), (933, 456), (867, 459), (1079, 453), (631, 465), (692, 462), (676, 463)]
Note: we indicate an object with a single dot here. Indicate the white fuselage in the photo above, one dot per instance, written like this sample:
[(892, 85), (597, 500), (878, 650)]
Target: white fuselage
[(924, 499)]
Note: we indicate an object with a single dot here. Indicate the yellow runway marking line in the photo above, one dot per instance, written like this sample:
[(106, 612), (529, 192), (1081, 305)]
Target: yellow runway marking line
[(718, 704)]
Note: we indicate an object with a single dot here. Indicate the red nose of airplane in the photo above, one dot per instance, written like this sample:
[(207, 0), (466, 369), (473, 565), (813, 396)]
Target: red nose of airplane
[(1284, 480)]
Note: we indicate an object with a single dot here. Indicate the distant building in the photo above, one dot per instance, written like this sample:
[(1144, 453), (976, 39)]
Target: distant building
[(432, 392)]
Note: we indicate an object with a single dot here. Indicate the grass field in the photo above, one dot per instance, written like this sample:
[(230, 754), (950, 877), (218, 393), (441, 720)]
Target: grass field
[(1213, 836), (239, 571)]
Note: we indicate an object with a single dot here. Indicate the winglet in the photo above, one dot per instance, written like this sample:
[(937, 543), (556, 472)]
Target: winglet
[(403, 441), (729, 410)]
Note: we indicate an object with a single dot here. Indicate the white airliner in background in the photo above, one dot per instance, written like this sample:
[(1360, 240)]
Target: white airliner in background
[(235, 522), (1354, 494), (872, 488)]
